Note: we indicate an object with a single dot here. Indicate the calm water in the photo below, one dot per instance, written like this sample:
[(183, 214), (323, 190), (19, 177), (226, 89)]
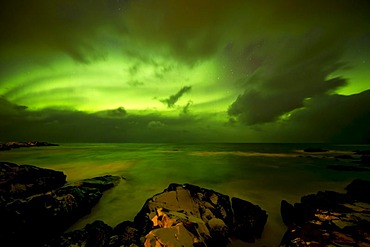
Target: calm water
[(263, 174)]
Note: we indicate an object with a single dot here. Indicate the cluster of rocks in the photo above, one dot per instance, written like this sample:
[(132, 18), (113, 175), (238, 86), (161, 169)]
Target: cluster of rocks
[(11, 145), (358, 161), (329, 218), (38, 204), (182, 215)]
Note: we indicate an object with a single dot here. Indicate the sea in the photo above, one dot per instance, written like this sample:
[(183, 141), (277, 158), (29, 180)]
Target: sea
[(263, 174)]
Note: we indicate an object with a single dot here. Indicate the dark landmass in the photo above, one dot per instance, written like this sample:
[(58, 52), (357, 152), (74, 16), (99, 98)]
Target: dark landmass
[(329, 218), (12, 145)]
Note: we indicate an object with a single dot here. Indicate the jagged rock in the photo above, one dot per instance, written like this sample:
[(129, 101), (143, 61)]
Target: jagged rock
[(314, 150), (96, 234), (21, 181), (287, 212), (126, 234), (190, 215), (35, 204), (329, 218), (250, 220), (36, 217), (359, 190)]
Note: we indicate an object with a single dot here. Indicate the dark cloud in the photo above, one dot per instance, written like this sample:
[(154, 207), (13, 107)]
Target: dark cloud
[(298, 69), (331, 118), (171, 101), (185, 109)]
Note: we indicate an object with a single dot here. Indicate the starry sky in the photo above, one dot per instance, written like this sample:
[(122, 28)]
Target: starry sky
[(185, 71)]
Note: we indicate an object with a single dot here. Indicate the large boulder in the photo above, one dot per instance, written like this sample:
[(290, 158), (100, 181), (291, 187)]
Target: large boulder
[(189, 215), (329, 218)]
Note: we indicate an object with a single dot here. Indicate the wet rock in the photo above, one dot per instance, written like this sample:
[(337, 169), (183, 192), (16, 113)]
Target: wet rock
[(329, 218), (250, 220), (102, 183), (287, 212), (18, 181)]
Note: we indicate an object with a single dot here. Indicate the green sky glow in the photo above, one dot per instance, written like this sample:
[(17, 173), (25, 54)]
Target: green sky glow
[(237, 71)]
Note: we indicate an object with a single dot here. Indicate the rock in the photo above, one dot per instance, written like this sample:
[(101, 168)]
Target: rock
[(11, 145), (25, 180), (189, 215), (287, 212), (36, 217), (329, 218), (359, 190), (102, 183), (37, 205), (126, 234), (314, 150), (347, 168), (96, 234), (250, 220)]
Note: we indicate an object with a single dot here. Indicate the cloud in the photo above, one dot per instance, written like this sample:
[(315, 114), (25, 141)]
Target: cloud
[(185, 109), (171, 101), (296, 69), (332, 118), (155, 124)]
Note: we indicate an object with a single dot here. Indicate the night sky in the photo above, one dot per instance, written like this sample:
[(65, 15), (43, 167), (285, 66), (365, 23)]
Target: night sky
[(185, 71)]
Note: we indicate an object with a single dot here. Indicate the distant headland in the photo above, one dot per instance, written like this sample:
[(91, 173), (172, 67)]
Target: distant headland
[(12, 145)]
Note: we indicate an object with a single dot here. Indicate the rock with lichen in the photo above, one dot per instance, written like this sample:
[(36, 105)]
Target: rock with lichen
[(187, 215)]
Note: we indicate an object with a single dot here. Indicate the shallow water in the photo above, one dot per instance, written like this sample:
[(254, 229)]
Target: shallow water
[(263, 174)]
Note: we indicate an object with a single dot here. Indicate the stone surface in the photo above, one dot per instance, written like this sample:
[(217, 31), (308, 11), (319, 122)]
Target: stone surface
[(36, 205), (203, 216), (21, 181), (329, 218), (96, 234)]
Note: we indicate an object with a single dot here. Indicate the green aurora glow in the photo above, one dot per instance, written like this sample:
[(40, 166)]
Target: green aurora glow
[(271, 71)]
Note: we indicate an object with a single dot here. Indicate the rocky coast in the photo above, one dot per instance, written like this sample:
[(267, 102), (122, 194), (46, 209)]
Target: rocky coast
[(38, 205)]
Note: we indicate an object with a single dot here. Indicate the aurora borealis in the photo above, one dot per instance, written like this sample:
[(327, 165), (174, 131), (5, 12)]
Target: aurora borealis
[(185, 71)]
